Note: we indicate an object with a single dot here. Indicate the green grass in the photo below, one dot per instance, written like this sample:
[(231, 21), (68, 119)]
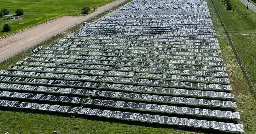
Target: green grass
[(244, 96), (242, 25), (39, 11), (46, 124), (253, 1)]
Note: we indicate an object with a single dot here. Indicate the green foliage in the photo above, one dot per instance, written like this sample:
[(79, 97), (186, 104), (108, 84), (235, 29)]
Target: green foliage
[(5, 11), (228, 4), (85, 10), (30, 123), (6, 28), (19, 12), (1, 14)]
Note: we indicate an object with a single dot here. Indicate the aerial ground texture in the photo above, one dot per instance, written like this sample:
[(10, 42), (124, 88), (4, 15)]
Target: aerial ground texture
[(26, 73), (20, 42), (149, 62)]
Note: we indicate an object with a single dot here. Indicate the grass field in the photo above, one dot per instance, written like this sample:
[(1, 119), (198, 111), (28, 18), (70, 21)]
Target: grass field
[(47, 124), (238, 24), (39, 11), (242, 25)]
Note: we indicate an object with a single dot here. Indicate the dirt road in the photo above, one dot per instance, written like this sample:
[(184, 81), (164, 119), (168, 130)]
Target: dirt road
[(20, 42)]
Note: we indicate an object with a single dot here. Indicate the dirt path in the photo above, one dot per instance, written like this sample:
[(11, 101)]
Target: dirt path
[(20, 42)]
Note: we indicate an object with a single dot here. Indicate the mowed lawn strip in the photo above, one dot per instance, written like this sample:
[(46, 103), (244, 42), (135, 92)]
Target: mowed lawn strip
[(38, 11), (245, 97)]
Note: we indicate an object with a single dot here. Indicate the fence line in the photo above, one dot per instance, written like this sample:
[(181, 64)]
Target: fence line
[(238, 58)]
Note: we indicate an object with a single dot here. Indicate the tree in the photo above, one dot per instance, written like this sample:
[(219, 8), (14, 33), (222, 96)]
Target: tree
[(5, 11), (85, 10), (1, 14), (228, 4), (6, 28), (19, 12)]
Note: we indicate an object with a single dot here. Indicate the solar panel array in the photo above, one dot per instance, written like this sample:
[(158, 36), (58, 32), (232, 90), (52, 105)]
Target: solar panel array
[(151, 61)]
